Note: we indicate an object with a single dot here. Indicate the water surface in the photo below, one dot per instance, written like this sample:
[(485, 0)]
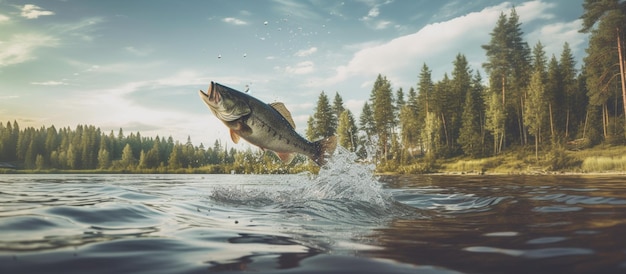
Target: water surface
[(344, 220)]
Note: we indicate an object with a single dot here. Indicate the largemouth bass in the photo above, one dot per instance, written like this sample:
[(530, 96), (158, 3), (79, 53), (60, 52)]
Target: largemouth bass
[(268, 126)]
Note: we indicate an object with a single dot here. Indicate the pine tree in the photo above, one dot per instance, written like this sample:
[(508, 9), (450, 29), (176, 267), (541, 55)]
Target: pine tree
[(39, 162), (495, 120), (441, 97), (470, 136), (347, 131), (508, 68), (338, 107), (324, 122), (499, 70), (174, 160), (366, 121), (606, 20), (381, 99), (104, 159), (128, 159), (536, 104), (424, 101), (573, 98), (410, 130), (460, 85), (554, 97)]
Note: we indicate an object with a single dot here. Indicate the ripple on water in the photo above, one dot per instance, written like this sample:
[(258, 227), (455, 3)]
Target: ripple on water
[(109, 215), (532, 253), (556, 209), (29, 227)]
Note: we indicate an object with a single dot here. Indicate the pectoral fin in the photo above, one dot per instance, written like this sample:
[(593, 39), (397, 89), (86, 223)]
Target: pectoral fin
[(285, 157), (238, 129), (234, 136)]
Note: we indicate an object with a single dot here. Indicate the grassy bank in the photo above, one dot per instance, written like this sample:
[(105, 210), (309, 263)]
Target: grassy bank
[(599, 159)]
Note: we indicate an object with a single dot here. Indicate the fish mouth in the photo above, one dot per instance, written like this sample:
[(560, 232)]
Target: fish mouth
[(212, 96)]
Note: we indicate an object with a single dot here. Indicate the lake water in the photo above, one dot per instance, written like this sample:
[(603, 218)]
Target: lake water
[(344, 220)]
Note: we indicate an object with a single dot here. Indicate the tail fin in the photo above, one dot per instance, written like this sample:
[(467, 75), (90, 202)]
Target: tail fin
[(324, 147)]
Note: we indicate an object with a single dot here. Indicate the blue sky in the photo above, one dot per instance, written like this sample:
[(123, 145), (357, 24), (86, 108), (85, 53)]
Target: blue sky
[(138, 65)]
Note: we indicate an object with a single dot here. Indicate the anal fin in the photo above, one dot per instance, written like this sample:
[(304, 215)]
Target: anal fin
[(234, 136), (285, 157)]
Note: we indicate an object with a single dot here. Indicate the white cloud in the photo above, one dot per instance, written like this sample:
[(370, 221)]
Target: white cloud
[(382, 24), (552, 36), (49, 83), (532, 10), (234, 21), (21, 47), (406, 53), (374, 12), (31, 11), (306, 52), (4, 18), (305, 67)]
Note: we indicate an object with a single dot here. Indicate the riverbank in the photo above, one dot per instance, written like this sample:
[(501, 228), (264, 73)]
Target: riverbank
[(602, 159)]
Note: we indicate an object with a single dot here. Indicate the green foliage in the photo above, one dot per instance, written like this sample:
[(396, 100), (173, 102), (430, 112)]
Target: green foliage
[(559, 159), (324, 122), (469, 136), (508, 66), (87, 149), (382, 104), (347, 131), (603, 163)]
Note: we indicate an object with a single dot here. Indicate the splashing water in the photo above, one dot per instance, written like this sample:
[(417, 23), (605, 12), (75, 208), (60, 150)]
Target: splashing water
[(328, 210), (343, 191), (343, 179)]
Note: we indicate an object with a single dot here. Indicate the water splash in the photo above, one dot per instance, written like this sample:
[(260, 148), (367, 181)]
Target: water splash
[(344, 191), (342, 178)]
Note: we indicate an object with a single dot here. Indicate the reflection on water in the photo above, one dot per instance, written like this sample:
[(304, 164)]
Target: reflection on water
[(344, 220), (498, 224)]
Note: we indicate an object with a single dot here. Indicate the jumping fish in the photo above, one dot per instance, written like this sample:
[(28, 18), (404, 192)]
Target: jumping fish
[(268, 126)]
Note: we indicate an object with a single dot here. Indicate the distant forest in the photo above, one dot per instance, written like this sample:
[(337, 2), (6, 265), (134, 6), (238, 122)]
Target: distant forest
[(87, 148), (532, 102)]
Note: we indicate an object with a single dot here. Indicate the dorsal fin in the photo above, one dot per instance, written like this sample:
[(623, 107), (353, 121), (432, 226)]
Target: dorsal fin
[(280, 107)]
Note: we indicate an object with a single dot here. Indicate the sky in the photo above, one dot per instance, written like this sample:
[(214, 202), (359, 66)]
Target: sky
[(138, 65)]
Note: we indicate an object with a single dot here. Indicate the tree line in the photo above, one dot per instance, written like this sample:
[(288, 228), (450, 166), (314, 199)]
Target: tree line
[(87, 148), (531, 100)]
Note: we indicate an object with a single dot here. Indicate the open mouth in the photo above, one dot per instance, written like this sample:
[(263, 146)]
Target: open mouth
[(212, 94)]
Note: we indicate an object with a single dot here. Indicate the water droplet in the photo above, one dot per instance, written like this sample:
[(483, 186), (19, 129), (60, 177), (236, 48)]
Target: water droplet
[(244, 55), (219, 56), (265, 23)]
